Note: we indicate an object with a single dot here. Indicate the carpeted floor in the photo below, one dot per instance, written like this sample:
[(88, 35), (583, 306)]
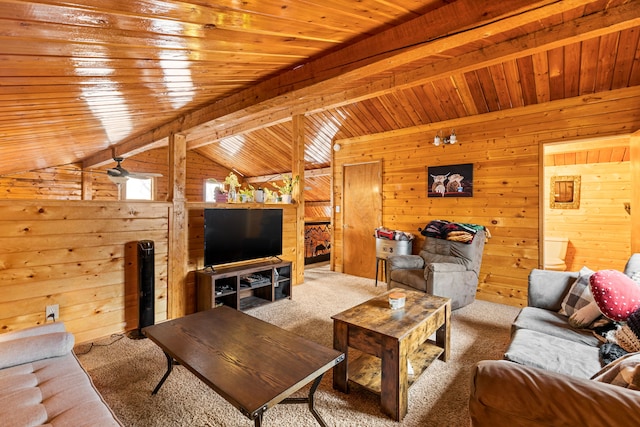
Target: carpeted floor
[(125, 371)]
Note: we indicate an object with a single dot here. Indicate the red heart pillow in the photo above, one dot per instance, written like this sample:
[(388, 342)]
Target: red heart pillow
[(615, 293)]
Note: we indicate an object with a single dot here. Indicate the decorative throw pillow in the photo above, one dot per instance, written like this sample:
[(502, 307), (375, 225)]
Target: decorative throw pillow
[(615, 293), (627, 339), (628, 335), (585, 316), (623, 372), (579, 295), (31, 348)]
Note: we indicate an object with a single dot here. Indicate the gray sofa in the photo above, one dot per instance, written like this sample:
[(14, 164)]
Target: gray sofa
[(42, 382), (550, 383), (444, 268)]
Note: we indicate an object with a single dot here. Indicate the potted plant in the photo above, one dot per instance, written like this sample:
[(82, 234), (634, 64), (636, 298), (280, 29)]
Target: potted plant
[(246, 194), (232, 181), (288, 182), (269, 196)]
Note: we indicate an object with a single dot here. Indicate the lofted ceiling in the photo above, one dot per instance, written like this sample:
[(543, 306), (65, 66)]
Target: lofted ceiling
[(84, 81)]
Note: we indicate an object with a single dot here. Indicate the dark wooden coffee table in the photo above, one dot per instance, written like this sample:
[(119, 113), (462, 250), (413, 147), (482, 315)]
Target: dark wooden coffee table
[(252, 364), (388, 340)]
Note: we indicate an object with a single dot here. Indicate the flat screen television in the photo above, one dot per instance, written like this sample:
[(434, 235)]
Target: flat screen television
[(232, 235)]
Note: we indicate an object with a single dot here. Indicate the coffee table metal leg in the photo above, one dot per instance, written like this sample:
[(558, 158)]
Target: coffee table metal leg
[(309, 400), (170, 363), (312, 408)]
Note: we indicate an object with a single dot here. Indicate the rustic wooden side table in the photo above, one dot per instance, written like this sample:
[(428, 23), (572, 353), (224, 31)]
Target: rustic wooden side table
[(391, 342)]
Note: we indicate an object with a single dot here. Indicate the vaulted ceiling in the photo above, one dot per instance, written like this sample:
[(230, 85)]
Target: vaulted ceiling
[(82, 81)]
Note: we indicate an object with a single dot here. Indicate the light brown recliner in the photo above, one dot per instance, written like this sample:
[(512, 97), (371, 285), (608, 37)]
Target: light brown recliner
[(444, 268)]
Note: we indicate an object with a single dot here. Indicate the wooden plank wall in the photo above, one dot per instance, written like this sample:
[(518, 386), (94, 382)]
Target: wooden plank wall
[(63, 183), (199, 168), (75, 254), (599, 231), (505, 149), (78, 253)]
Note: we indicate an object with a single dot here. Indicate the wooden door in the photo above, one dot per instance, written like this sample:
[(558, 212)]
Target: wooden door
[(362, 213)]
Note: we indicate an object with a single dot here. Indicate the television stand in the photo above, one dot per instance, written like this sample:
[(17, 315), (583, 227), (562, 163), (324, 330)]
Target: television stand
[(244, 286)]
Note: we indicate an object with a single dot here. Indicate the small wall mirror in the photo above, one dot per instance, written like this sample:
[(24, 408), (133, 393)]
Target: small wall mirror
[(565, 192)]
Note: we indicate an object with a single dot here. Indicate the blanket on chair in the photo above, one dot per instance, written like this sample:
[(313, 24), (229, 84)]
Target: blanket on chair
[(456, 231)]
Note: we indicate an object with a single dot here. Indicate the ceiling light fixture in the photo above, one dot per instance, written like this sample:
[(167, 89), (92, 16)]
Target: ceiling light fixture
[(440, 138)]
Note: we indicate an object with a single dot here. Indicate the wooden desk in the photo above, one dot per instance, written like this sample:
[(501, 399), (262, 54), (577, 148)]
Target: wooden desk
[(389, 339), (250, 363)]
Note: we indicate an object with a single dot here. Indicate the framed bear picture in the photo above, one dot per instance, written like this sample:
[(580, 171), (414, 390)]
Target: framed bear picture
[(450, 181)]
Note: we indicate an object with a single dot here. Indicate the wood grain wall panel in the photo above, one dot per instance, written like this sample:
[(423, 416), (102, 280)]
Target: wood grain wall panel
[(599, 231), (199, 169), (488, 88), (541, 76), (527, 80), (73, 253), (317, 211), (480, 103), (627, 46), (572, 70), (588, 67), (49, 183), (65, 182), (606, 61), (556, 73), (504, 148)]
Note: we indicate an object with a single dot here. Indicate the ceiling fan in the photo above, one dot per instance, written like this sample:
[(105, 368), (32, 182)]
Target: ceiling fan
[(119, 175)]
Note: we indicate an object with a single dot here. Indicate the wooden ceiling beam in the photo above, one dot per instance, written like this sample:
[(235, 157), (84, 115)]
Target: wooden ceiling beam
[(563, 34), (596, 25), (589, 27), (309, 173), (452, 25)]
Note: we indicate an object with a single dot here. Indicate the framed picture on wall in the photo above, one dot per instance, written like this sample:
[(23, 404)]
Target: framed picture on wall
[(565, 192), (450, 181)]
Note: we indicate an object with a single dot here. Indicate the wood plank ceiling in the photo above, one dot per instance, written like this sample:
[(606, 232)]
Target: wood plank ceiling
[(82, 81)]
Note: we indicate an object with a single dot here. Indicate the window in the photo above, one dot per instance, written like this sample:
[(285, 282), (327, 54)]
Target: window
[(138, 189), (210, 186)]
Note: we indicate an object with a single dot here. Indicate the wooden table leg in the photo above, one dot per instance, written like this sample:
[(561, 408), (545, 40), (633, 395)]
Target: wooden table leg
[(341, 343), (394, 390), (443, 334)]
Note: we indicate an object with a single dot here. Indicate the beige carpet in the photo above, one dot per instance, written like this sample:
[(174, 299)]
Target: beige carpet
[(126, 371)]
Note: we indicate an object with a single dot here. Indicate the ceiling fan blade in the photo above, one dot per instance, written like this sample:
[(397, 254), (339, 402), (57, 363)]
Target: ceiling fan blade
[(119, 171), (143, 175), (116, 172), (118, 180)]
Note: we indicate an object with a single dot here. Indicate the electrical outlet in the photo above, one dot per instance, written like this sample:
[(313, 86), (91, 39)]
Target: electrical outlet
[(52, 313)]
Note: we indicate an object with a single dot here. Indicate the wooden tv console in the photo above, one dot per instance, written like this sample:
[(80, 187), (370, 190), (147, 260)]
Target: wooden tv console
[(245, 286)]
